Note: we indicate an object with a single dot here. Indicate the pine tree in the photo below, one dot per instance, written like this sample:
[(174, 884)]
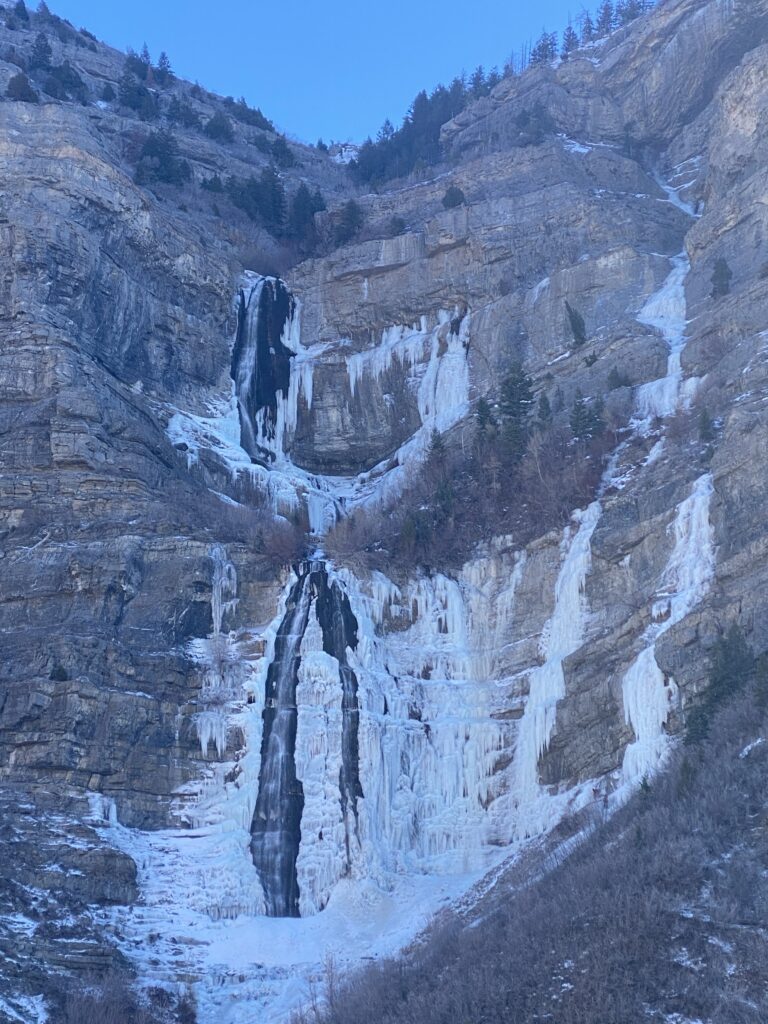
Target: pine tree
[(301, 216), (41, 55), (386, 131), (577, 325), (20, 10), (20, 89), (477, 82), (272, 199), (43, 10), (145, 58), (436, 451), (706, 428), (544, 415), (282, 153), (484, 416), (545, 50), (349, 223), (515, 403), (580, 417), (219, 128), (587, 29), (570, 42), (605, 19), (164, 71)]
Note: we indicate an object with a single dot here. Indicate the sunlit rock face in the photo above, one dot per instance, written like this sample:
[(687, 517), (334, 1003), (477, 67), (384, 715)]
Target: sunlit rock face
[(240, 764)]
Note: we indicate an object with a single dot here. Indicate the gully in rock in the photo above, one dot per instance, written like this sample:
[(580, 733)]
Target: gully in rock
[(276, 826)]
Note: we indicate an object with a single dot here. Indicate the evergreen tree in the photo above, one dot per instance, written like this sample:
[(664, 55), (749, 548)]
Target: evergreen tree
[(136, 97), (144, 57), (722, 275), (40, 58), (219, 128), (515, 403), (21, 12), (272, 200), (628, 10), (386, 131), (180, 111), (282, 153), (164, 71), (605, 19), (477, 85), (349, 222), (484, 416), (436, 451), (570, 42), (160, 161), (43, 10), (706, 428), (301, 216), (545, 50), (544, 415), (577, 325), (587, 420), (322, 146), (580, 417), (19, 89), (587, 29)]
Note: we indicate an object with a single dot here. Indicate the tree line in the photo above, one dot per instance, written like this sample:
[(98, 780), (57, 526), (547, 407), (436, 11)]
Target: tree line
[(415, 145)]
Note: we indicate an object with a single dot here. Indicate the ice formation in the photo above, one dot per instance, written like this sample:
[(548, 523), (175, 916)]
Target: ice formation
[(387, 744), (648, 695), (665, 311), (562, 636)]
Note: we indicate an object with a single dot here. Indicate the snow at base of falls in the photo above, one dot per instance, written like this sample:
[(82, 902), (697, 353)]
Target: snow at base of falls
[(648, 696)]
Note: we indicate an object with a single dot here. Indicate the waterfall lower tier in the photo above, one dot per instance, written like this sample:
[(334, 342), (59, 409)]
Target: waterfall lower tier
[(276, 826), (339, 628)]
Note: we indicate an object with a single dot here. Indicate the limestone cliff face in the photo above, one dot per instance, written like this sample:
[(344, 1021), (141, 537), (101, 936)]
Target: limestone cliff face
[(141, 608)]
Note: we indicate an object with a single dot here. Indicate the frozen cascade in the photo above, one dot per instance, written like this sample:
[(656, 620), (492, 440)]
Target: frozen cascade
[(287, 824), (666, 312), (649, 696), (276, 827), (217, 655), (266, 344), (562, 636)]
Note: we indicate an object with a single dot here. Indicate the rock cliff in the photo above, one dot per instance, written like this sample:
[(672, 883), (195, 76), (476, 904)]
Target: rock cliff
[(196, 735)]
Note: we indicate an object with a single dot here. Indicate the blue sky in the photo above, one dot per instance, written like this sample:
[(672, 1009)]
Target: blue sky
[(330, 68)]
